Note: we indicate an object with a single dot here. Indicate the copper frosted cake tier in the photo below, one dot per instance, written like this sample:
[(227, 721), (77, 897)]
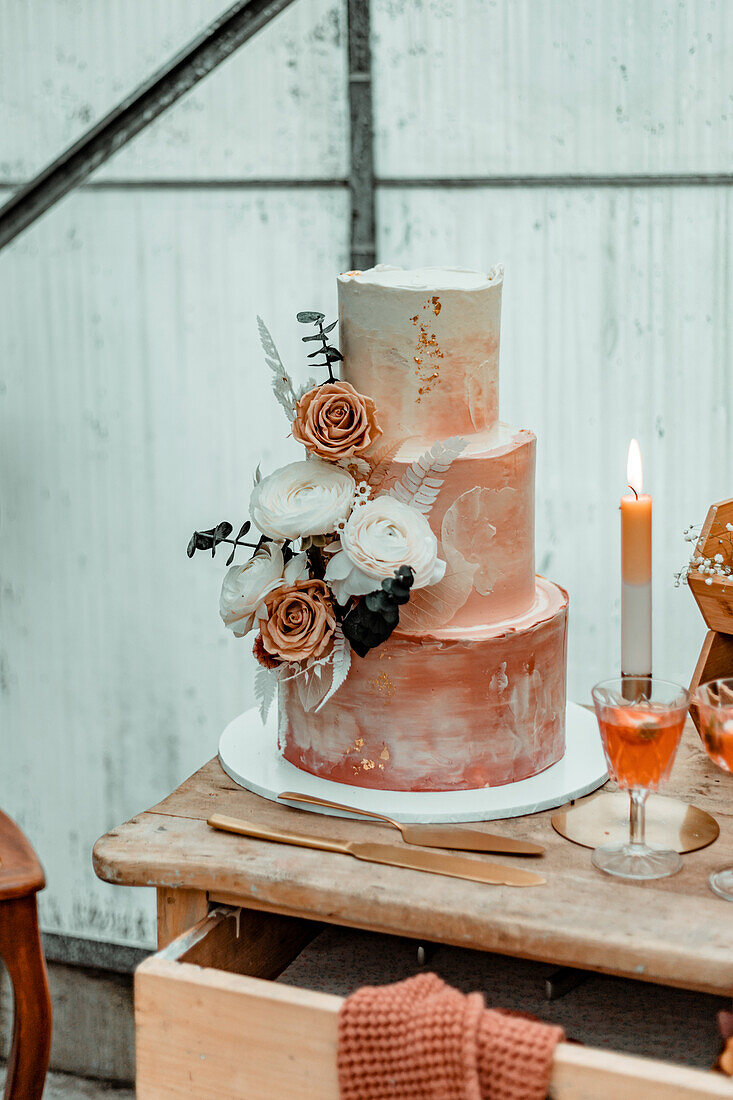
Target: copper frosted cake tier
[(484, 522), (455, 709)]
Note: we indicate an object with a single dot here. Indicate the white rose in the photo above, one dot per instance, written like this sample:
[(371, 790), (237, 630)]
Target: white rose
[(303, 498), (380, 536), (244, 588)]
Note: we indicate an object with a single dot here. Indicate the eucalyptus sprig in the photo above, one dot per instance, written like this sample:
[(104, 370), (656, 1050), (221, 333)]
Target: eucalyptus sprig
[(330, 353), (209, 540)]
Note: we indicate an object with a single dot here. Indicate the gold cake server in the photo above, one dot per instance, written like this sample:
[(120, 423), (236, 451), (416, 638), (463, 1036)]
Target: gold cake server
[(437, 863), (433, 836)]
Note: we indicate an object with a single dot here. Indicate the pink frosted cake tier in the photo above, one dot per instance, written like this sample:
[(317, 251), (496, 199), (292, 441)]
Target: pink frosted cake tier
[(484, 521), (455, 709)]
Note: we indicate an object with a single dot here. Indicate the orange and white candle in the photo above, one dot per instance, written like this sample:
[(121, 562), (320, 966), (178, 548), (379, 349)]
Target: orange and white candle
[(636, 571)]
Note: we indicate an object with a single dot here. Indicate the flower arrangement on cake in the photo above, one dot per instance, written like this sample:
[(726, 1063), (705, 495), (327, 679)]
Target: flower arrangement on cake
[(340, 547)]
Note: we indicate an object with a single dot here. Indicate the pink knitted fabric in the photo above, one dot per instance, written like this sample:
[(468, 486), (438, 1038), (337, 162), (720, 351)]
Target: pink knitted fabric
[(515, 1055), (422, 1040)]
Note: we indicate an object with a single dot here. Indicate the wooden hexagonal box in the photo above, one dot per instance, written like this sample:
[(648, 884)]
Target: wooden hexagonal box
[(715, 599)]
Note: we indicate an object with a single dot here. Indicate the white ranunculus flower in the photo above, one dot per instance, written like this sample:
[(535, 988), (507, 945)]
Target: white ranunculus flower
[(380, 536), (245, 587), (303, 498)]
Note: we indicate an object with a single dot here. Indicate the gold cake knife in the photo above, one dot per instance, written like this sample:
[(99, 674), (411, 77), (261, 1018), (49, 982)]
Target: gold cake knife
[(433, 836), (437, 863)]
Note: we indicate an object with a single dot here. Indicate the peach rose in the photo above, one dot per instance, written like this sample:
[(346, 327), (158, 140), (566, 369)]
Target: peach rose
[(333, 421), (300, 622)]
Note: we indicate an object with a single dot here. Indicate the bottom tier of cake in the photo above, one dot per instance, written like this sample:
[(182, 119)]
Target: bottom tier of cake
[(450, 710)]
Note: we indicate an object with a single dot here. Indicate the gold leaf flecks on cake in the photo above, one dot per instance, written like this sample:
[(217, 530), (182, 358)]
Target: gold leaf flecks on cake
[(382, 685), (427, 351), (384, 754)]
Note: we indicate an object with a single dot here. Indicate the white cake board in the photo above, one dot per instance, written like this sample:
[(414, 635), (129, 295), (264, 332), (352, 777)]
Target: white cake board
[(249, 755)]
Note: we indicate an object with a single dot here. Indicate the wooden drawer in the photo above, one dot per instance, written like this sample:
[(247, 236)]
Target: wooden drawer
[(211, 1024)]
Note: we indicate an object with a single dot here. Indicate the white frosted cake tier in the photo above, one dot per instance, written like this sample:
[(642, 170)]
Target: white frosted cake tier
[(454, 709), (425, 345)]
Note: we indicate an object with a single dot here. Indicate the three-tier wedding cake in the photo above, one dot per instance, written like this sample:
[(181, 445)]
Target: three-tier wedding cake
[(469, 689)]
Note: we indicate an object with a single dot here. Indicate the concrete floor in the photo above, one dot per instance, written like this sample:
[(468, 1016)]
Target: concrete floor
[(61, 1086)]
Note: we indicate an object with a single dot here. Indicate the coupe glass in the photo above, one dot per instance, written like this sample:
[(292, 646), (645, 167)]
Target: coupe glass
[(715, 715), (641, 720)]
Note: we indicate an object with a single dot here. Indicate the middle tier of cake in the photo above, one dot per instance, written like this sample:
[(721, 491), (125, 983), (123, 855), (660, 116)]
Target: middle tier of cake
[(484, 521), (455, 709)]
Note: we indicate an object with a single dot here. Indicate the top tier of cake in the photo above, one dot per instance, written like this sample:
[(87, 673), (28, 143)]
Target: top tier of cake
[(424, 344)]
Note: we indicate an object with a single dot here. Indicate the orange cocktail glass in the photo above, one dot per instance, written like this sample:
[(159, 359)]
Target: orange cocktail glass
[(714, 702), (641, 720)]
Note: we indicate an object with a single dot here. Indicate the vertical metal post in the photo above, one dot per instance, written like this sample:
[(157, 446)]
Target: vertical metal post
[(361, 170)]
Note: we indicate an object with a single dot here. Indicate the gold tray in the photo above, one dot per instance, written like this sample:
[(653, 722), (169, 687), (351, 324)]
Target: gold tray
[(603, 818)]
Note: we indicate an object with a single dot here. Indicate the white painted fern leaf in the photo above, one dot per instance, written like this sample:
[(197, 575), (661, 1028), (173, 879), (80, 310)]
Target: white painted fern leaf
[(422, 481), (282, 385), (265, 684), (340, 664)]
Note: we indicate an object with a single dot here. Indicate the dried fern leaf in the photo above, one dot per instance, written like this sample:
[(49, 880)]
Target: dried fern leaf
[(381, 464), (282, 385), (421, 482), (265, 685), (340, 664)]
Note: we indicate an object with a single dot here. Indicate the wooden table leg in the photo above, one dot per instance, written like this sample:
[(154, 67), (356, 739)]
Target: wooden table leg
[(179, 910), (22, 953)]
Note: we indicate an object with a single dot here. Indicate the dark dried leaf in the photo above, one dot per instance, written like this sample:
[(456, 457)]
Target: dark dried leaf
[(203, 540), (309, 317), (374, 618), (332, 353), (222, 531), (241, 533)]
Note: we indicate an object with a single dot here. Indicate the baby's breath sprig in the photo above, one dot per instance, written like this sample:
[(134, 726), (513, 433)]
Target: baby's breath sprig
[(719, 564)]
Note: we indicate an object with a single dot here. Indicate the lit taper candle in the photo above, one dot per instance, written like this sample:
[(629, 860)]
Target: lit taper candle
[(636, 571)]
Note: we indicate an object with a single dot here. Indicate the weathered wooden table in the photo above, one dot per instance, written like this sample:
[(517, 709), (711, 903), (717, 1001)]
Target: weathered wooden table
[(673, 931)]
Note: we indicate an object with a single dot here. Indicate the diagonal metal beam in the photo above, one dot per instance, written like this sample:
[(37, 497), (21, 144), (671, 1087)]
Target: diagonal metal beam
[(225, 35)]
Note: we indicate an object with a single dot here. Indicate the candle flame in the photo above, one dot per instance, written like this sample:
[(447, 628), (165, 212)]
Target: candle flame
[(634, 475)]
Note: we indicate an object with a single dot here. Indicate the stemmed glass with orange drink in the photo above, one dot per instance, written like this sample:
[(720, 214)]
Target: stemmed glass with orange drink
[(714, 702), (641, 720)]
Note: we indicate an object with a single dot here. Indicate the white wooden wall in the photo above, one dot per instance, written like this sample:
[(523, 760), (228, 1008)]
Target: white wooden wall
[(134, 405)]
